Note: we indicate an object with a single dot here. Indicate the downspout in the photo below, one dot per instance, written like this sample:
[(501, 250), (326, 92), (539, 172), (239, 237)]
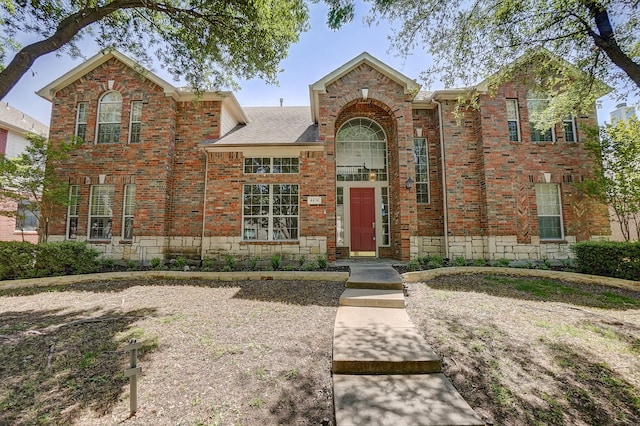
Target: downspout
[(204, 201), (444, 183)]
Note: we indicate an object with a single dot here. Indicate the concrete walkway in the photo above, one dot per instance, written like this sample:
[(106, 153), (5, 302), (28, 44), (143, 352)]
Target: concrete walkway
[(384, 372)]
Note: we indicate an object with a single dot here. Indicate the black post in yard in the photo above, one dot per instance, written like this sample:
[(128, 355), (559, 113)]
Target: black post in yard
[(132, 373)]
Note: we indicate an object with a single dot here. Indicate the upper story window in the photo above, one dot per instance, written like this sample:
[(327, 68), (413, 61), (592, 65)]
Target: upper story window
[(135, 121), (421, 159), (537, 103), (109, 112), (284, 165), (569, 124), (513, 120), (81, 121)]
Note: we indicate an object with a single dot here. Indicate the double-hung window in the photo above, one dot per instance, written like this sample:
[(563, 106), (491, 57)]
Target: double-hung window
[(127, 211), (81, 121), (109, 112), (72, 212), (26, 219), (570, 134), (549, 211), (513, 120), (270, 212), (101, 212), (536, 105), (421, 159), (135, 121)]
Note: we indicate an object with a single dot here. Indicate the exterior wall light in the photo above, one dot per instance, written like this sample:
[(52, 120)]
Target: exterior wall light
[(409, 183)]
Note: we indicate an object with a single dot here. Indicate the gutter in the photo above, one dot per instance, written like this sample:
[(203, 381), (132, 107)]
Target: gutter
[(204, 202), (445, 208)]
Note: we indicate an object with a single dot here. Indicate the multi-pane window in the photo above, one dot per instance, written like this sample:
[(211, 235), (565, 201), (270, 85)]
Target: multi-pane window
[(72, 212), (100, 212), (421, 159), (385, 216), (270, 212), (109, 112), (513, 121), (361, 151), (135, 121), (569, 125), (127, 211), (549, 211), (340, 216), (26, 220), (81, 121), (535, 107), (284, 165)]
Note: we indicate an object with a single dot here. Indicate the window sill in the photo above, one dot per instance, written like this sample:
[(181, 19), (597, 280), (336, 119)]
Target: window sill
[(561, 241), (16, 232), (125, 242), (99, 241)]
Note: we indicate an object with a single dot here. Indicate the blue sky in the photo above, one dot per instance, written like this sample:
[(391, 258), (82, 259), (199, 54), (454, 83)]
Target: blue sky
[(318, 52)]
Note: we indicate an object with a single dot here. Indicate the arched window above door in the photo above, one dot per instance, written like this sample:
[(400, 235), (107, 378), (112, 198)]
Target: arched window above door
[(361, 151)]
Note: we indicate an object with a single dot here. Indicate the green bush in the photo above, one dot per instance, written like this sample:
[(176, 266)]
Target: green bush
[(207, 264), (230, 262), (322, 261), (414, 265), (479, 262), (435, 261), (459, 261), (16, 260), (502, 263), (253, 263), (156, 263), (608, 258), (180, 263), (276, 262)]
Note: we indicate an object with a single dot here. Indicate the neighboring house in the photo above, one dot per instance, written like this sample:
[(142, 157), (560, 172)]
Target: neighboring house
[(373, 167), (622, 112), (14, 124)]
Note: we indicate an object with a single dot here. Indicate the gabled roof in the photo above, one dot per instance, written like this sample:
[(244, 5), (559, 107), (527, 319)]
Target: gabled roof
[(94, 62), (19, 122), (270, 125), (320, 86)]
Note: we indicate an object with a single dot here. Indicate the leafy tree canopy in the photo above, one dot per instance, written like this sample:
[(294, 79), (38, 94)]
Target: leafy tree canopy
[(208, 43), (471, 40)]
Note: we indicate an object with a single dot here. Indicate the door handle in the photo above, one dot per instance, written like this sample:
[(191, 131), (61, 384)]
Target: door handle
[(373, 225)]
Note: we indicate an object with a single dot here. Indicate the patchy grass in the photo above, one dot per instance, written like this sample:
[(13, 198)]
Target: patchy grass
[(214, 353), (528, 351)]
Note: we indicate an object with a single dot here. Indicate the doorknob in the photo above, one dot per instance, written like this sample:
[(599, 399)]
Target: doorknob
[(373, 225)]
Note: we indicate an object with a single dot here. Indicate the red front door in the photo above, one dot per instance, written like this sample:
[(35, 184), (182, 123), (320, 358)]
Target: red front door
[(363, 217)]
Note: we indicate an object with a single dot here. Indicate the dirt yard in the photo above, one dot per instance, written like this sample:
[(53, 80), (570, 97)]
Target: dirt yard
[(535, 352), (245, 353)]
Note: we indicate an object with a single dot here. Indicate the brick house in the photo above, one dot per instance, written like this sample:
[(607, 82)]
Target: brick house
[(373, 167), (14, 124)]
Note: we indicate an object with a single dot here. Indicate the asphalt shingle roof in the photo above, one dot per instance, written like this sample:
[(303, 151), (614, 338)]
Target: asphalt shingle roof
[(275, 125)]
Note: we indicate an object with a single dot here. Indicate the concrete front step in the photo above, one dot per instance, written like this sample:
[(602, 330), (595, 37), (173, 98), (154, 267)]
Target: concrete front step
[(408, 400), (382, 277), (380, 341), (372, 298)]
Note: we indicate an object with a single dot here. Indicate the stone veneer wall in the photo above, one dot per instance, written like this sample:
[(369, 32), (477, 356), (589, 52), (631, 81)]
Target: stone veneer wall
[(216, 247)]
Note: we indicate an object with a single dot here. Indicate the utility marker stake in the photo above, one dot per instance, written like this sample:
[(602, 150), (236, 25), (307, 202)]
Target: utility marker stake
[(132, 373)]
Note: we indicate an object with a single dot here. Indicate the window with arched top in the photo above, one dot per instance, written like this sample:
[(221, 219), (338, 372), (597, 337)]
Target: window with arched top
[(109, 116), (361, 151)]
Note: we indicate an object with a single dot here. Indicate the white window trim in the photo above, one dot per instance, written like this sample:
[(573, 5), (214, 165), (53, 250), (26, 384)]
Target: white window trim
[(270, 216), (553, 128), (91, 216), (517, 120), (427, 182), (78, 122), (98, 122), (271, 166), (561, 215), (125, 200), (69, 215), (131, 121), (574, 128)]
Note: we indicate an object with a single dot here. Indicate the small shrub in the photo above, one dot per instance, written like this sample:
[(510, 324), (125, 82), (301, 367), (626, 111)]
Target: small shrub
[(301, 260), (108, 263), (16, 259), (288, 268), (156, 263), (414, 265), (310, 266), (226, 268), (253, 263), (276, 262), (435, 261), (207, 264), (322, 261), (230, 261), (502, 263), (180, 262), (459, 261), (479, 262), (132, 265), (545, 265)]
